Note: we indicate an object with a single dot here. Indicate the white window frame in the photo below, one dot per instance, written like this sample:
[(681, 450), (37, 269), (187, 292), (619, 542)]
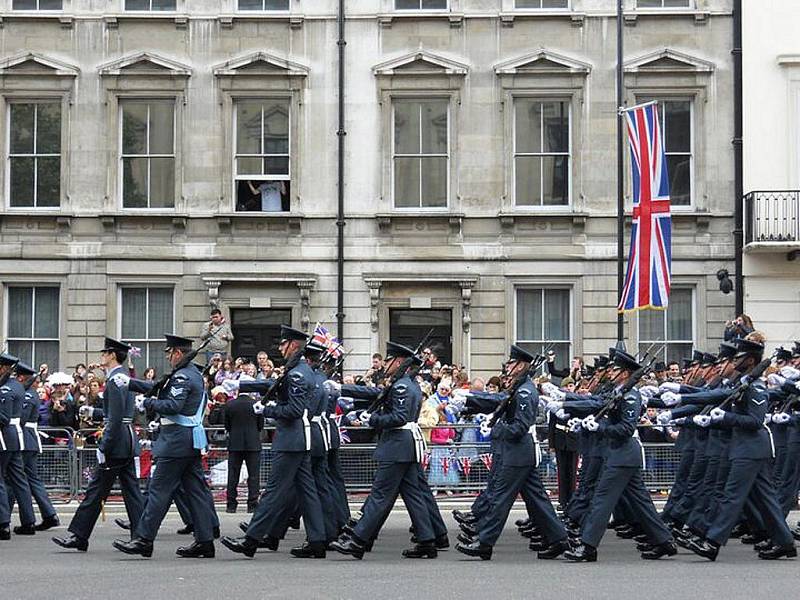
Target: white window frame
[(643, 344), (420, 10), (448, 155), (540, 8), (32, 340), (236, 177), (692, 147), (149, 10), (689, 6), (143, 342), (39, 10), (122, 101), (263, 10), (514, 154), (545, 286)]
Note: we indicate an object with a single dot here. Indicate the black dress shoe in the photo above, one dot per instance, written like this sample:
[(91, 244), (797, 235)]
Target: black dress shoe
[(622, 527), (796, 533), (351, 523), (464, 517), (421, 550), (244, 525), (442, 542), (347, 545), (269, 543), (29, 529), (135, 546), (752, 538), (521, 523), (465, 539), (629, 534), (644, 547), (641, 538), (554, 550), (738, 531), (196, 550), (215, 532), (476, 548), (5, 533), (243, 545), (231, 509), (763, 545), (660, 550), (186, 530), (777, 552), (573, 529), (309, 550), (294, 523), (48, 523), (72, 542), (581, 553), (123, 524), (470, 530), (538, 545), (704, 548)]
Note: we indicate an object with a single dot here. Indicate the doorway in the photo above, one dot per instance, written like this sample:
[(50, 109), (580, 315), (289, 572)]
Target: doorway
[(257, 329), (410, 326)]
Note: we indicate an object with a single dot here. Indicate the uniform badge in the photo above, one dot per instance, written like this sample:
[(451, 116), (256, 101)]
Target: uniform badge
[(174, 391), (401, 401), (523, 406), (757, 403)]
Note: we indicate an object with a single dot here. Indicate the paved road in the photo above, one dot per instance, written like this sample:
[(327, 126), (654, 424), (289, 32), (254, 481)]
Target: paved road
[(36, 568)]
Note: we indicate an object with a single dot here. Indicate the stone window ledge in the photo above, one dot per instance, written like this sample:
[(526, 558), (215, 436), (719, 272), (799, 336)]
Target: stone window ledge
[(510, 218), (386, 20), (293, 219), (507, 18), (294, 20), (700, 16), (385, 220)]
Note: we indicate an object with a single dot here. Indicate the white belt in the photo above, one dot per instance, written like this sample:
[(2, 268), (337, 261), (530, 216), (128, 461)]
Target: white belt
[(537, 451), (419, 440), (771, 440), (35, 427), (639, 441), (17, 422), (307, 429), (322, 423), (167, 421)]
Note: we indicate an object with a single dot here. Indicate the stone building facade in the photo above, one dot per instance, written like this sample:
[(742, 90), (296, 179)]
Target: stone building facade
[(158, 162)]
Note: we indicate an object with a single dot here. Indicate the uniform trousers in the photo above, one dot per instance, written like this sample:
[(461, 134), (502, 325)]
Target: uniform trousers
[(337, 487), (581, 500), (679, 485), (749, 478), (613, 482), (510, 482), (483, 502), (681, 509), (98, 490), (170, 474), (253, 461), (567, 465), (790, 478), (392, 479), (30, 459), (12, 470), (290, 471)]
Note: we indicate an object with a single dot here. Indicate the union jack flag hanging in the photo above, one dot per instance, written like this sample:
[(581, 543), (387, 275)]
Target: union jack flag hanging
[(647, 280)]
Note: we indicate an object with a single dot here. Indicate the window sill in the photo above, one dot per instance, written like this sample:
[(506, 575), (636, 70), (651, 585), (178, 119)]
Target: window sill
[(66, 20), (63, 221), (508, 219), (700, 16), (181, 20), (295, 20), (454, 219), (293, 219), (577, 18), (386, 20)]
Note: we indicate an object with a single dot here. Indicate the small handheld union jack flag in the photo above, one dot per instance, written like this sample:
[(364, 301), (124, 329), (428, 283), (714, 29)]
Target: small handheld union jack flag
[(647, 280)]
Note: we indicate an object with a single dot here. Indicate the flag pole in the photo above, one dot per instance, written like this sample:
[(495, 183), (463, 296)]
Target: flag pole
[(620, 175)]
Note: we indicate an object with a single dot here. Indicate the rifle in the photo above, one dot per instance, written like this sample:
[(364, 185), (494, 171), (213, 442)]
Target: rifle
[(399, 374), (620, 391), (745, 382), (187, 359), (502, 408)]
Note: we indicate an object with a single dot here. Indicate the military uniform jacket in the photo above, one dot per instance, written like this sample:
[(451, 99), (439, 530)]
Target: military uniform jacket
[(182, 395), (396, 444), (12, 395), (30, 421), (319, 427), (118, 439), (517, 440), (624, 449), (579, 405), (330, 409), (751, 438)]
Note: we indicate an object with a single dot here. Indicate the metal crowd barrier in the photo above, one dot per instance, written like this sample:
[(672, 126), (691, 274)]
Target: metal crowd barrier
[(68, 461)]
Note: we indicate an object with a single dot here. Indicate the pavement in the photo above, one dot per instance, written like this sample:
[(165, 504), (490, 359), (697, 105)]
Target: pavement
[(33, 567)]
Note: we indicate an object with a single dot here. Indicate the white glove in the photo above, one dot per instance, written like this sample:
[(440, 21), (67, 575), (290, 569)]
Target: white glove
[(562, 414), (717, 414), (332, 386), (121, 380), (364, 417), (670, 386), (258, 407), (553, 391), (781, 418), (680, 421), (554, 406), (590, 424), (775, 380), (671, 398), (481, 417), (574, 424), (153, 426), (86, 412), (648, 391), (485, 429), (101, 458), (702, 420), (231, 386), (790, 373), (140, 403), (664, 417), (271, 403), (797, 385)]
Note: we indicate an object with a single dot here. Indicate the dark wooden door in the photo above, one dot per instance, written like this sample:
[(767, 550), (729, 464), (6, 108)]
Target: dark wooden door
[(257, 329), (409, 327)]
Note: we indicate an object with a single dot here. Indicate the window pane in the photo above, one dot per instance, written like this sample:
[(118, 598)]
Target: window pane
[(137, 4), (160, 313), (134, 128), (434, 127), (677, 3), (407, 4), (48, 181), (649, 3), (249, 166), (276, 127), (162, 182), (23, 351), (46, 323), (556, 177), (248, 128), (675, 352), (153, 353), (406, 182), (528, 4), (556, 127), (678, 134), (162, 119), (556, 314), (48, 128), (434, 4), (21, 135), (163, 4), (679, 315), (406, 128), (134, 317), (251, 4), (527, 125), (529, 314), (434, 182), (276, 165), (24, 5), (555, 3), (21, 183), (276, 4), (50, 4), (651, 325), (134, 183), (679, 170), (20, 312), (528, 173), (45, 352)]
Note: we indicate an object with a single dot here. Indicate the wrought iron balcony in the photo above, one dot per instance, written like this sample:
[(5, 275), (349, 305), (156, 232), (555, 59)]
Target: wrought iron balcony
[(772, 220)]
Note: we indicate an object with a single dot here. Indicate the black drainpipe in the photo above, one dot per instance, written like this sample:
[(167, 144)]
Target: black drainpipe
[(738, 159), (340, 223)]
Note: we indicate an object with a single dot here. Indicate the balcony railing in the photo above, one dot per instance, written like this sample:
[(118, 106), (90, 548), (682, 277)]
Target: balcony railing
[(772, 217)]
